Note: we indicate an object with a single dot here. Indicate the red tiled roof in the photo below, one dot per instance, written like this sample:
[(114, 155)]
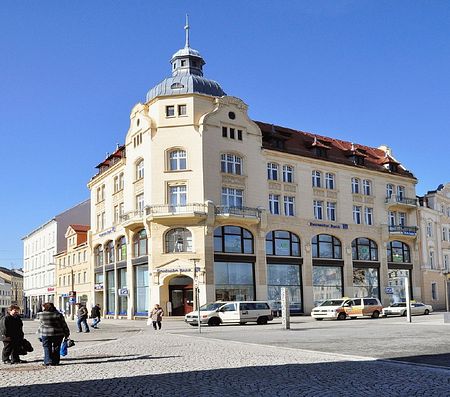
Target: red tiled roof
[(80, 228), (337, 151)]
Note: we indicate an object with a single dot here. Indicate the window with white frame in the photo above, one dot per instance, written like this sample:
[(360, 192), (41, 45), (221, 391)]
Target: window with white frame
[(429, 229), (289, 205), (331, 211), (367, 187), (434, 291), (288, 173), (431, 259), (316, 179), (318, 209), (446, 263), (177, 160), (116, 214), (357, 214), (400, 192), (274, 204), (368, 215), (232, 197), (402, 218), (356, 185), (140, 202), (140, 170), (444, 234), (178, 195), (389, 190), (116, 184), (329, 181), (392, 218), (272, 171), (231, 164)]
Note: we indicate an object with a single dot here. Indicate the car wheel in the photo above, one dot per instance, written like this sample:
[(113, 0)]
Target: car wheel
[(376, 314), (404, 313), (341, 316), (319, 319), (194, 325), (214, 322), (261, 320), (426, 312)]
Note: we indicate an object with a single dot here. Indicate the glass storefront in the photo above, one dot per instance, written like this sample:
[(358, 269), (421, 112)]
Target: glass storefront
[(396, 280), (123, 300), (141, 293), (110, 292), (234, 281), (285, 275), (327, 283), (366, 283)]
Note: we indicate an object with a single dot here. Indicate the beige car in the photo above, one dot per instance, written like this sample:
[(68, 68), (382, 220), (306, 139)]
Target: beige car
[(342, 308)]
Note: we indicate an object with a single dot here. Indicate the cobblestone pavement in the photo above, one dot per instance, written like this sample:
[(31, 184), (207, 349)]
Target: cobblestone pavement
[(130, 359)]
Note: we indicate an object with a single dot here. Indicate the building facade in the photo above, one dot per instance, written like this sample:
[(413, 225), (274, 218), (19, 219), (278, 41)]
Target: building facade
[(202, 196), (5, 295), (73, 270), (15, 278), (434, 221), (40, 247)]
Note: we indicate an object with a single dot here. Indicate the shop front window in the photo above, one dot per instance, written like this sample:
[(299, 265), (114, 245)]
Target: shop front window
[(140, 243), (178, 240), (122, 284), (327, 283), (398, 252), (142, 290), (364, 249), (121, 249), (111, 292), (289, 276), (366, 283), (396, 280), (234, 281)]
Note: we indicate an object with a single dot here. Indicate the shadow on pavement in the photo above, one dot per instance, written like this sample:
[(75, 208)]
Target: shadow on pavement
[(318, 379), (442, 360)]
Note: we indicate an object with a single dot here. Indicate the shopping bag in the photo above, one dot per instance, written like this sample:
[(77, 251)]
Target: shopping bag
[(63, 351)]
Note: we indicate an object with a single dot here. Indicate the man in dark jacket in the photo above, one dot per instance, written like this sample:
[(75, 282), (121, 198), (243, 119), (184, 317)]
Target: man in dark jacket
[(12, 336), (82, 315), (95, 315)]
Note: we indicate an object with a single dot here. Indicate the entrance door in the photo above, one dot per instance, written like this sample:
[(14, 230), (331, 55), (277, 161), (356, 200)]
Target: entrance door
[(181, 295)]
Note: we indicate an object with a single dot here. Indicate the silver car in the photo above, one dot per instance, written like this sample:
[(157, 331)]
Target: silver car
[(399, 309)]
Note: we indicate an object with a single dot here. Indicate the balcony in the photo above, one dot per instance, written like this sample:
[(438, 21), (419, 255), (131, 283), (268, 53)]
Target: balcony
[(401, 230), (400, 202), (132, 218), (168, 213), (247, 214)]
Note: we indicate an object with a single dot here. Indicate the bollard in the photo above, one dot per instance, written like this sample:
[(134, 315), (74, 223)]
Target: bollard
[(285, 315)]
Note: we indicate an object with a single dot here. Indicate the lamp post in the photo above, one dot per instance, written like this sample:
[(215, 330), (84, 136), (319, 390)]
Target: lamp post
[(197, 294)]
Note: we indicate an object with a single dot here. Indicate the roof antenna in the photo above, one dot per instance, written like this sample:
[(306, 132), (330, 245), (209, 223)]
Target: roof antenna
[(186, 28)]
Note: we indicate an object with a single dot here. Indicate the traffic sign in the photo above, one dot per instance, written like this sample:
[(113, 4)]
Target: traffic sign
[(389, 290), (72, 300)]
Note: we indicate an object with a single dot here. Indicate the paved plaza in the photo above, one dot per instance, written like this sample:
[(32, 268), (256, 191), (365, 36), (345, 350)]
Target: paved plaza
[(350, 358)]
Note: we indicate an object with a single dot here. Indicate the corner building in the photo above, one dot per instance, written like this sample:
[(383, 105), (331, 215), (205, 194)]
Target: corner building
[(201, 194)]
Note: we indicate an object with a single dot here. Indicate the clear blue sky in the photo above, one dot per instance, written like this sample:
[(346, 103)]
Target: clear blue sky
[(372, 72)]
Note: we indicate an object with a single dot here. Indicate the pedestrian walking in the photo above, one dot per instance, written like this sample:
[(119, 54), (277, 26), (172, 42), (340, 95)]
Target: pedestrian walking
[(52, 330), (11, 333), (95, 315), (156, 315), (82, 315)]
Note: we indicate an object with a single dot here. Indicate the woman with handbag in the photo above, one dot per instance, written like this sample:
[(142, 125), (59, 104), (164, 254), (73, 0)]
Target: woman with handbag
[(52, 330)]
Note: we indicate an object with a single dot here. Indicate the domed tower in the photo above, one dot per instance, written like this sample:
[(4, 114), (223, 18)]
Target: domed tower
[(187, 75)]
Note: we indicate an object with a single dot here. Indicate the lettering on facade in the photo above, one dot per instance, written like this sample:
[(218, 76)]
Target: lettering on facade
[(109, 231), (184, 270), (328, 225), (98, 287)]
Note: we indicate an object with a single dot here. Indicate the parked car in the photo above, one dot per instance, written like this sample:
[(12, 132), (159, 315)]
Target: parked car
[(399, 309), (342, 308), (231, 312), (295, 308)]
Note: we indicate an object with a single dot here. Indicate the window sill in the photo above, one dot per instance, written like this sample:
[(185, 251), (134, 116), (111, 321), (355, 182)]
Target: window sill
[(177, 171)]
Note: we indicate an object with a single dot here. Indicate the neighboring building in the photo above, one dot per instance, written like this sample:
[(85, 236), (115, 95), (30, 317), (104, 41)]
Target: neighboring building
[(40, 247), (5, 295), (15, 277), (255, 206), (73, 269), (434, 216)]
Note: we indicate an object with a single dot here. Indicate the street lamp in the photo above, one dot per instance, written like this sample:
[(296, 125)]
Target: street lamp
[(197, 293)]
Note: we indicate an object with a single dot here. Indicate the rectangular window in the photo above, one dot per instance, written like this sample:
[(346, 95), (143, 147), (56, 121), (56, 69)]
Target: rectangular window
[(367, 187), (402, 218), (316, 179), (355, 186), (431, 260), (182, 110), (140, 202), (234, 281), (110, 292), (329, 181), (318, 209), (288, 276), (331, 211), (232, 133), (178, 195), (389, 190), (116, 214), (444, 234), (429, 229), (232, 197), (170, 111), (274, 204), (224, 132), (142, 290), (239, 135), (357, 214), (288, 174), (392, 218), (366, 282), (289, 206), (446, 263), (272, 171), (368, 215), (434, 294), (327, 283), (400, 193)]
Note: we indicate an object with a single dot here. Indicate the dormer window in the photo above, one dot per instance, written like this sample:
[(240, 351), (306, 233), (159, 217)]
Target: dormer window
[(320, 152), (183, 63)]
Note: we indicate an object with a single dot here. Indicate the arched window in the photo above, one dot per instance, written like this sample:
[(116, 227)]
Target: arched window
[(178, 240), (109, 249), (98, 256), (177, 160), (398, 251), (364, 249), (326, 246), (140, 243), (282, 243), (233, 239), (231, 164), (121, 247), (140, 169)]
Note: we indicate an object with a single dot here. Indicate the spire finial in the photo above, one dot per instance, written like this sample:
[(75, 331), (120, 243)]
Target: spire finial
[(186, 28)]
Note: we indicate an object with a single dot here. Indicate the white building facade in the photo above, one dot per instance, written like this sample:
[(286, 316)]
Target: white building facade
[(5, 295)]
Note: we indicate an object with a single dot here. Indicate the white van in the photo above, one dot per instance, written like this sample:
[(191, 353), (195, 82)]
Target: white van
[(231, 312)]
